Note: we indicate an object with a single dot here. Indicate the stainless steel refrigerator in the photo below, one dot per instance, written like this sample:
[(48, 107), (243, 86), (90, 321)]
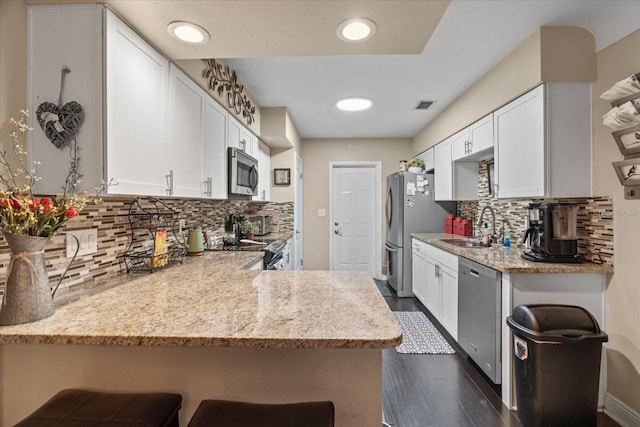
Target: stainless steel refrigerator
[(411, 208)]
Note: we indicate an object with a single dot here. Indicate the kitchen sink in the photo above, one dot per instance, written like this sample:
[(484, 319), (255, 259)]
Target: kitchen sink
[(465, 243)]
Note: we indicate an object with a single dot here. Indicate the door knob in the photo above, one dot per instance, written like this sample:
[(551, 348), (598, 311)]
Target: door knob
[(335, 223), (337, 232)]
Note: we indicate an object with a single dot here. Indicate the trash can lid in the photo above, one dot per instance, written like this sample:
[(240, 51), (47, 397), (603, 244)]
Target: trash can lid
[(555, 323)]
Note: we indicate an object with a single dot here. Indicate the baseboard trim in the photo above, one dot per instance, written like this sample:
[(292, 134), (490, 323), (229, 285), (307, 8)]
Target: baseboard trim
[(620, 411)]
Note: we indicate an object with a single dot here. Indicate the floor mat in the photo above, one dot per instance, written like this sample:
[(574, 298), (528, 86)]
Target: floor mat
[(419, 336)]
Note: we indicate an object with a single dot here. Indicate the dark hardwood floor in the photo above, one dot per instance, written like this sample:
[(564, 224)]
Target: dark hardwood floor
[(421, 390)]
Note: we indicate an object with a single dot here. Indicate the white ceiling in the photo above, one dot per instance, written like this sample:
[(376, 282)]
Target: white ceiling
[(287, 53), (470, 39)]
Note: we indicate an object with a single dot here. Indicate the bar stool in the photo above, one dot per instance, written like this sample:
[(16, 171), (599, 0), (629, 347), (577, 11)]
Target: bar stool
[(224, 413), (79, 408)]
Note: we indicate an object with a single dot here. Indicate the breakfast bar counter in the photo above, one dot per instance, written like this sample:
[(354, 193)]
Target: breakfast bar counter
[(209, 329)]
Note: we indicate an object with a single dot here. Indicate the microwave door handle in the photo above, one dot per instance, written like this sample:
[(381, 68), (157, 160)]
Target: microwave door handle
[(253, 177)]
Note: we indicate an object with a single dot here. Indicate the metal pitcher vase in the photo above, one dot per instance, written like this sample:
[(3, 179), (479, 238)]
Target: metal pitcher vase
[(27, 295)]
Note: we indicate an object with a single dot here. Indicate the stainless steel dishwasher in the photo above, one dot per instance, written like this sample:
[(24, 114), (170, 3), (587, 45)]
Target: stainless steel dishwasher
[(479, 300)]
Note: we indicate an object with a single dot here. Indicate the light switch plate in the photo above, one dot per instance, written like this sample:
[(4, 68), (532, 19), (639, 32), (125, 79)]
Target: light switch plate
[(87, 239), (322, 212)]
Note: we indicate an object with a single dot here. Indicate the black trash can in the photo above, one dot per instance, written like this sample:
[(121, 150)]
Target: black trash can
[(557, 353)]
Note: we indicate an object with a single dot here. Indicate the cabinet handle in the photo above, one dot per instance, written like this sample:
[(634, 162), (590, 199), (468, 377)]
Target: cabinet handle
[(169, 179), (208, 187), (243, 145), (470, 147)]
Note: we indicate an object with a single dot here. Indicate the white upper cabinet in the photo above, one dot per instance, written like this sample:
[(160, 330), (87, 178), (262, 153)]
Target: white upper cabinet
[(136, 112), (474, 142), (122, 84), (443, 171), (543, 143), (460, 144), (481, 136), (239, 137), (264, 175), (214, 155), (428, 158), (187, 101)]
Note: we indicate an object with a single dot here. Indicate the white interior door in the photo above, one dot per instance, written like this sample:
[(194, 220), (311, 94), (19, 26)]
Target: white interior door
[(297, 218), (353, 216)]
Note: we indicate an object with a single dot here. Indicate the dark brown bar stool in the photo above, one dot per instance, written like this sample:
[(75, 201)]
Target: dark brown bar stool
[(80, 408), (223, 413)]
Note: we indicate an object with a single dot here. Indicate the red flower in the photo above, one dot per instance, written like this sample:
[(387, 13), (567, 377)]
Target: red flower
[(4, 203), (15, 204), (33, 204), (71, 212), (46, 204)]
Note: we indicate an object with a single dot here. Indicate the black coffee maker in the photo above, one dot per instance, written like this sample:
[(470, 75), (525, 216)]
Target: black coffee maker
[(552, 233)]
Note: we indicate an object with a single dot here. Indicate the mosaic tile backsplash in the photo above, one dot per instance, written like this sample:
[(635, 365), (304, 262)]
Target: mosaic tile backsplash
[(595, 219), (110, 218)]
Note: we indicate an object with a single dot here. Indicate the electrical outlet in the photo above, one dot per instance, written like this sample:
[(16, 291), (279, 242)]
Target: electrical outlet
[(182, 223), (322, 212), (87, 240)]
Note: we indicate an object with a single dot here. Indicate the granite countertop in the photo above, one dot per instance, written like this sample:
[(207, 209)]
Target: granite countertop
[(211, 301), (508, 260)]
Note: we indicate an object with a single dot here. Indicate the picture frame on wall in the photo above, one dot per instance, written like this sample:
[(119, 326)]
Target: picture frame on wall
[(282, 176), (628, 171), (628, 140)]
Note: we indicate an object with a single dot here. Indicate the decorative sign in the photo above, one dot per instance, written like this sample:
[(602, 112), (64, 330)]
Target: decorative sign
[(225, 79)]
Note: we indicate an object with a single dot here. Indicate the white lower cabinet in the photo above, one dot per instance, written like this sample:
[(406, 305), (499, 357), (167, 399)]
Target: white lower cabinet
[(419, 270), (435, 283)]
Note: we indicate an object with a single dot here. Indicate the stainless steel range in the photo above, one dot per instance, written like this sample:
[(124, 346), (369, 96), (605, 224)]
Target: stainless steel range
[(273, 252)]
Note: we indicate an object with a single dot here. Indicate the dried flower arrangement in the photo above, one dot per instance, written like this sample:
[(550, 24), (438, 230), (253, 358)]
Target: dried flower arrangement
[(20, 211)]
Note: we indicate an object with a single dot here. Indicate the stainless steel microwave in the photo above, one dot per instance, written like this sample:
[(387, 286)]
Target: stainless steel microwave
[(243, 173)]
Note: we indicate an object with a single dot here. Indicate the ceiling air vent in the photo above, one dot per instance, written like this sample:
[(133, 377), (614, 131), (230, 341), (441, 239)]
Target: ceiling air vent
[(423, 105)]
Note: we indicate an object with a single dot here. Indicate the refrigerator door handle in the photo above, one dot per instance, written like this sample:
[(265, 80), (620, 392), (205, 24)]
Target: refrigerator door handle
[(389, 248), (389, 209)]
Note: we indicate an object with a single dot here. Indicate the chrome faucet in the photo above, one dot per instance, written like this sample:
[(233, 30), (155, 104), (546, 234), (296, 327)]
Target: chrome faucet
[(493, 220)]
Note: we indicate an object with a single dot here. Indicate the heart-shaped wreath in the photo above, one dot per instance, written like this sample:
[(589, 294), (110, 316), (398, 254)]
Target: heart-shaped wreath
[(60, 123)]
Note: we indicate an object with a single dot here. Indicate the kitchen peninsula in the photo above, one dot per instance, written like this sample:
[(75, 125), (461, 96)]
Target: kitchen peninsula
[(210, 329)]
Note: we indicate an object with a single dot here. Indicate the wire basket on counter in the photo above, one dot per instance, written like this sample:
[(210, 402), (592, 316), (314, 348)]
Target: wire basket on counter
[(159, 221)]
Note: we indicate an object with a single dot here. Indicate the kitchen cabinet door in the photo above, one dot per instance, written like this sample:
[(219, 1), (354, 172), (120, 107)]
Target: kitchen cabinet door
[(449, 292), (481, 135), (214, 154), (137, 99), (433, 297), (460, 144), (264, 167), (233, 132), (519, 146), (419, 272), (187, 134), (428, 159), (254, 149), (443, 171)]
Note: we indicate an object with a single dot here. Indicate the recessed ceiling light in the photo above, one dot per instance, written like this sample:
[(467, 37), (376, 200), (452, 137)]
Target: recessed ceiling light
[(356, 29), (188, 32), (354, 104)]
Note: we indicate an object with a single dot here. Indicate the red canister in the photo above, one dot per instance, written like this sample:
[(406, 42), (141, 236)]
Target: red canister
[(457, 226), (467, 228), (448, 223)]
